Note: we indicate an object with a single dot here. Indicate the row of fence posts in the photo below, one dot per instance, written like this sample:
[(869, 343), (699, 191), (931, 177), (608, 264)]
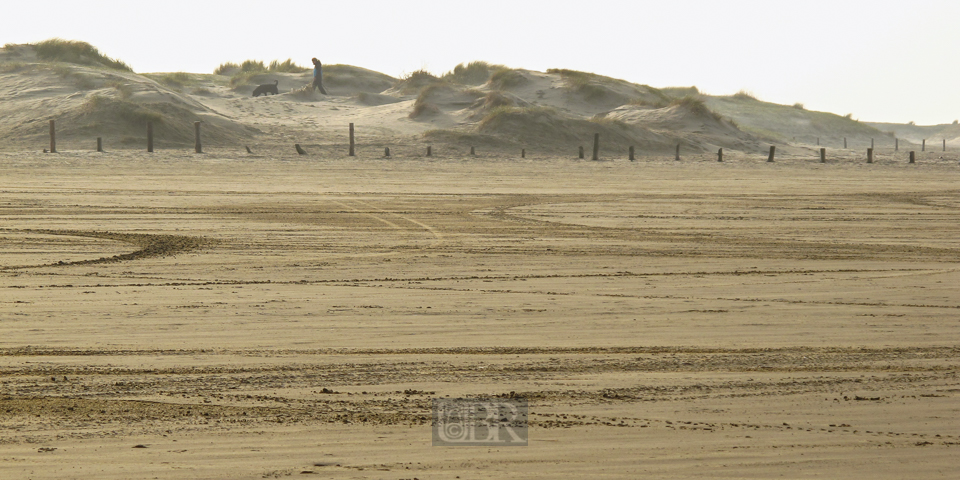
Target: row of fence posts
[(896, 144), (196, 132), (523, 152)]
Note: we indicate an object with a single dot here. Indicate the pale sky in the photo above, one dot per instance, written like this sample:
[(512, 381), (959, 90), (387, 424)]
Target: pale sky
[(881, 60)]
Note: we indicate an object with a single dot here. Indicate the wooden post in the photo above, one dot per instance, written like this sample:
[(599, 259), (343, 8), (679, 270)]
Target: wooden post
[(720, 155), (523, 153), (773, 150), (581, 152), (913, 157), (150, 137), (677, 157), (99, 144), (896, 143), (351, 141), (473, 151), (944, 144), (386, 151), (196, 134), (53, 137), (631, 154), (429, 151), (871, 143), (924, 147), (869, 155), (844, 142), (596, 146), (818, 141), (823, 155)]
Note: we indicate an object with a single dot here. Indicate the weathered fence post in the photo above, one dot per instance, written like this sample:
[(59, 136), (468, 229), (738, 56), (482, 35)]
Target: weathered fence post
[(99, 144), (351, 141), (896, 144), (844, 142), (473, 151), (773, 150), (596, 146), (631, 154), (150, 137), (720, 155), (818, 141), (386, 151), (429, 151), (913, 156), (924, 147), (871, 143), (870, 155), (53, 137), (944, 144), (677, 157), (823, 155), (196, 134), (581, 152), (523, 153)]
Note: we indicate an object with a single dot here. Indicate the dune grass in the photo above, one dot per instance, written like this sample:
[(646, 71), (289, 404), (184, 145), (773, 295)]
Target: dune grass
[(227, 68), (505, 78), (649, 103), (498, 114), (286, 66), (744, 95), (121, 109), (79, 80), (176, 79), (680, 92), (696, 105), (496, 99), (596, 87), (413, 82), (242, 73), (82, 53), (423, 108), (419, 77), (473, 73)]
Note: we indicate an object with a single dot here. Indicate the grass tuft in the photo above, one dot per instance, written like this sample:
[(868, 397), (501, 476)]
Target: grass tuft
[(69, 51), (423, 108), (504, 78), (306, 92), (253, 66), (121, 109), (798, 106), (473, 73), (286, 66), (696, 105), (648, 103), (176, 79), (227, 68), (744, 95)]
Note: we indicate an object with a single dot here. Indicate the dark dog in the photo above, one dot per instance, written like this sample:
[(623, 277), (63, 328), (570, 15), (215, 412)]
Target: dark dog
[(267, 89)]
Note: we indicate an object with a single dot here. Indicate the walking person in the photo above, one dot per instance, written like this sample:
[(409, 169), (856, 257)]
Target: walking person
[(318, 76)]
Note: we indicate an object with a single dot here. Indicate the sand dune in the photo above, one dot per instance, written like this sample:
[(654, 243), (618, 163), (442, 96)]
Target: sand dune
[(92, 100)]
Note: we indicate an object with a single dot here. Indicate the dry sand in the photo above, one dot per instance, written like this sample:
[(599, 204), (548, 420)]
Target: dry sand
[(266, 317)]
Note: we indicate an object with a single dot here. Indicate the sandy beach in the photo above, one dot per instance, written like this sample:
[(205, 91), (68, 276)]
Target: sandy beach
[(286, 316)]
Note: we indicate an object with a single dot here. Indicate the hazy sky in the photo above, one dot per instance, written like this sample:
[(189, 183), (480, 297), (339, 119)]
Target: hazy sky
[(881, 60)]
